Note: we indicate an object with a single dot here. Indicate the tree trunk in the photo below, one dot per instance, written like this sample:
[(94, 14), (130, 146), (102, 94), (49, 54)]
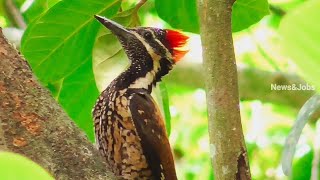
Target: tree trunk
[(34, 125), (227, 145)]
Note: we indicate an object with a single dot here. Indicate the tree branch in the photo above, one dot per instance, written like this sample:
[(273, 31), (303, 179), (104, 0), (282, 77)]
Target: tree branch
[(277, 10), (135, 16), (34, 125), (139, 5), (254, 84), (228, 151), (14, 14)]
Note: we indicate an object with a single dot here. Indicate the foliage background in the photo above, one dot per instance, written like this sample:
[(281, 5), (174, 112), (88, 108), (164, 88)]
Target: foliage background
[(75, 58)]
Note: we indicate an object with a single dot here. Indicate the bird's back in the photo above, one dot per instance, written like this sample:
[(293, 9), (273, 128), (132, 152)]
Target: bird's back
[(116, 136)]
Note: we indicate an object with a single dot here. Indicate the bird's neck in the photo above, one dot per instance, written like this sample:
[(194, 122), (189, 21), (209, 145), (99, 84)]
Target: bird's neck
[(143, 76), (139, 76)]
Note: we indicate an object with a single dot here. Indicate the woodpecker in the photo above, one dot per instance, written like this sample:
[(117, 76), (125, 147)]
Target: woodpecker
[(129, 128)]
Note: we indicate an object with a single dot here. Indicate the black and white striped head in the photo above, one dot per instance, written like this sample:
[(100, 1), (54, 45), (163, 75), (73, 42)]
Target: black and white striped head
[(152, 52), (143, 41)]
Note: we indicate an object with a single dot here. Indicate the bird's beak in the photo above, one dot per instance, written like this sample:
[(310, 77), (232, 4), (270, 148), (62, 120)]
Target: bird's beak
[(114, 27)]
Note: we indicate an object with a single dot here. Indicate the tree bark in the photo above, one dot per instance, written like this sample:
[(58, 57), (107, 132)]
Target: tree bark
[(34, 125), (227, 146)]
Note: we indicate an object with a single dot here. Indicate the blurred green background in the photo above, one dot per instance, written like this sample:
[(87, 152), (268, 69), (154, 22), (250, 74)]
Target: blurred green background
[(272, 46)]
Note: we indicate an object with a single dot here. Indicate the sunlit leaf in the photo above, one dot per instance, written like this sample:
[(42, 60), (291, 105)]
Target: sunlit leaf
[(300, 31), (14, 166), (51, 3), (248, 12), (302, 167), (36, 8), (182, 14), (164, 100), (109, 59), (58, 46), (304, 115)]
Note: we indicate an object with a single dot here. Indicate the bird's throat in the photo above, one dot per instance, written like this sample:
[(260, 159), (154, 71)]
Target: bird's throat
[(137, 77), (146, 81)]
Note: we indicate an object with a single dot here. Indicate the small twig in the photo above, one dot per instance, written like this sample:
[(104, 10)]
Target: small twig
[(135, 17), (14, 14), (138, 6), (277, 10)]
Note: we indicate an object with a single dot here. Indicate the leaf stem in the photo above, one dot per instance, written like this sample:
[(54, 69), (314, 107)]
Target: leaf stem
[(138, 6), (135, 16)]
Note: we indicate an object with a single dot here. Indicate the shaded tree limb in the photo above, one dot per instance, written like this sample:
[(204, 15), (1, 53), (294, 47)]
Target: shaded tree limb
[(34, 125), (277, 10), (227, 145), (254, 84), (138, 6), (14, 14)]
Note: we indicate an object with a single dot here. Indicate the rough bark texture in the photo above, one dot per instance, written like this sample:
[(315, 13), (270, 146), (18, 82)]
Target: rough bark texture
[(228, 151), (34, 125)]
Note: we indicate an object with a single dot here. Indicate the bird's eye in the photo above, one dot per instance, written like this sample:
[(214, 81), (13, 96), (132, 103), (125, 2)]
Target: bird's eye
[(147, 35)]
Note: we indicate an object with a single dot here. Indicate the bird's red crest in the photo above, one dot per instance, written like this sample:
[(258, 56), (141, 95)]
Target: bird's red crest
[(177, 42)]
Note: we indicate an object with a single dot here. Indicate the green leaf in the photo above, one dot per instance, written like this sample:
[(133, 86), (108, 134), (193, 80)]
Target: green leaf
[(248, 12), (165, 106), (38, 7), (14, 166), (302, 167), (312, 105), (182, 14), (161, 97), (109, 58), (51, 3), (35, 10), (300, 31), (58, 46)]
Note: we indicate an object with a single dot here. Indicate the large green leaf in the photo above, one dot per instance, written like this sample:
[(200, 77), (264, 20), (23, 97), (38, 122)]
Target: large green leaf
[(36, 8), (109, 59), (302, 167), (248, 12), (300, 31), (182, 14), (165, 106), (58, 46), (14, 166)]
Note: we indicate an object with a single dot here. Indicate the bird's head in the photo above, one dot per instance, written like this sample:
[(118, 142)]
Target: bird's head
[(152, 52), (146, 41)]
